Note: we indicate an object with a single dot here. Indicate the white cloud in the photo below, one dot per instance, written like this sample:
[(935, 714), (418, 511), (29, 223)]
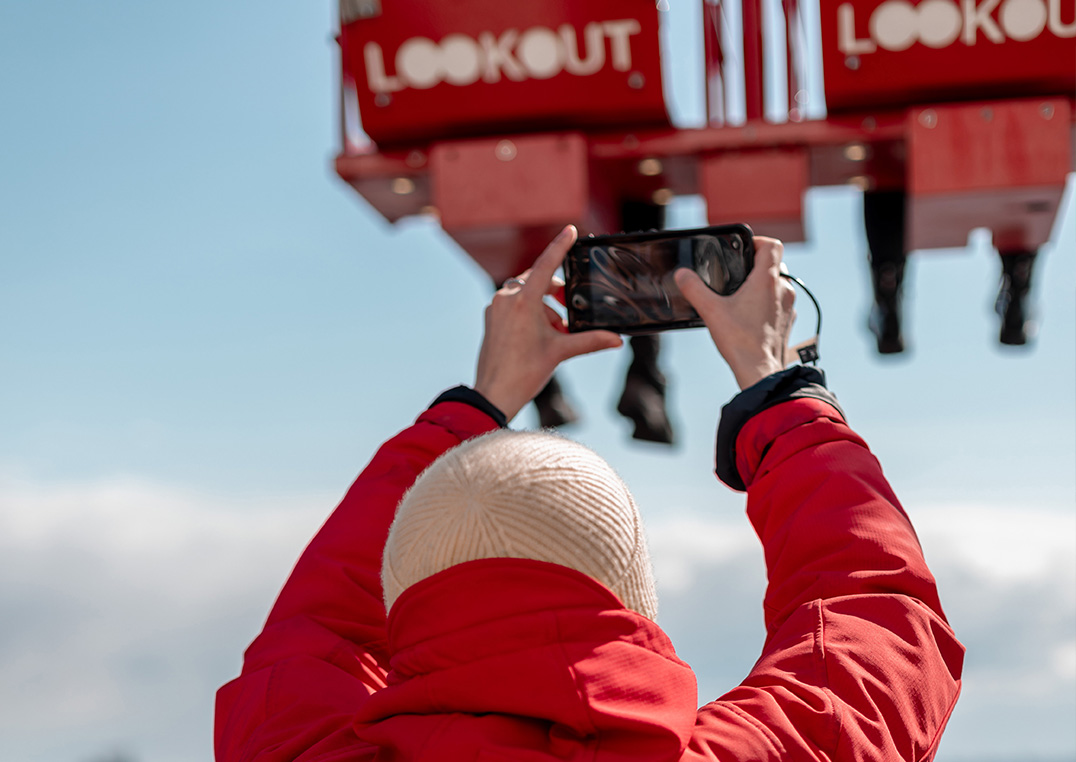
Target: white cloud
[(1004, 543), (125, 604), (685, 548)]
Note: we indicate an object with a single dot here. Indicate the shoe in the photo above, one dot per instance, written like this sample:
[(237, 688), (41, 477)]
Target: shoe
[(1013, 330), (885, 317), (553, 407), (643, 402), (884, 323), (1011, 304)]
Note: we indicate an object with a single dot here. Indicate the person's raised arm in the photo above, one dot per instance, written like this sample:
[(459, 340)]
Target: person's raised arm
[(859, 662), (322, 650)]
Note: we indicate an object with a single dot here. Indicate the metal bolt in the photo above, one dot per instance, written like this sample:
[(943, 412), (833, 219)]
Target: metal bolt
[(861, 181), (382, 99), (403, 186), (1047, 110), (636, 80), (506, 150), (416, 159), (987, 114), (855, 152), (928, 117), (650, 167), (852, 62), (662, 196), (353, 10), (870, 123)]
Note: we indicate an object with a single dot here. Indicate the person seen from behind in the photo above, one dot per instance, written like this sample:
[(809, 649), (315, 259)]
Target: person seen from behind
[(486, 594)]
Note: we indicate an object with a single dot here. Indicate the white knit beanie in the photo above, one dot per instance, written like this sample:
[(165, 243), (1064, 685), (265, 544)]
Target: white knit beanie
[(514, 494)]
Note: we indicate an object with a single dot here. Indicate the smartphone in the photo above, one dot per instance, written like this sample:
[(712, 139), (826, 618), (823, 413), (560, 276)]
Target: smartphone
[(624, 283)]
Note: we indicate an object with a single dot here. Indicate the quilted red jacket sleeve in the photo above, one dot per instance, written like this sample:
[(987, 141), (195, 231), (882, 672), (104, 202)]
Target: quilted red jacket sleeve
[(859, 662), (322, 650)]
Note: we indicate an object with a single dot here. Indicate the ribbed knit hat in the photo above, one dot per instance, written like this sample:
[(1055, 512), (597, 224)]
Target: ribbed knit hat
[(514, 494)]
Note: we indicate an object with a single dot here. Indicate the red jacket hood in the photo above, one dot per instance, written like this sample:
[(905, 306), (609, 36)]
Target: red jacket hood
[(565, 671)]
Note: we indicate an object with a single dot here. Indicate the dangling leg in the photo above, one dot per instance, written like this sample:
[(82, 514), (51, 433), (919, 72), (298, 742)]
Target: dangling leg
[(883, 217), (553, 407), (1011, 304), (643, 399)]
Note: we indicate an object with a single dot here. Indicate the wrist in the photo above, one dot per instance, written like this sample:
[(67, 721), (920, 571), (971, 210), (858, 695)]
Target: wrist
[(502, 399), (749, 373), (793, 383), (475, 399)]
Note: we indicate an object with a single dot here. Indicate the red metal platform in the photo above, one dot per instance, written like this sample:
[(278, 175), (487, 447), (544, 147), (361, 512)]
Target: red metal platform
[(505, 158)]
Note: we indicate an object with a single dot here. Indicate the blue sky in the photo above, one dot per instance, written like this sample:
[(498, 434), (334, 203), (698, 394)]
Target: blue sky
[(204, 334)]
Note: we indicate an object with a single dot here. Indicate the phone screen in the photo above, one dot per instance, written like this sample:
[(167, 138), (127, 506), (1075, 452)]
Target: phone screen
[(624, 283)]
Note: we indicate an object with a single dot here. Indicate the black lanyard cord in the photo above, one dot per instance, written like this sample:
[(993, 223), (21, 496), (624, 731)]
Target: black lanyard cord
[(808, 350)]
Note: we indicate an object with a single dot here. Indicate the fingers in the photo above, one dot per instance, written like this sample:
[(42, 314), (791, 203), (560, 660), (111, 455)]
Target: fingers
[(543, 269), (555, 320), (768, 252), (513, 285), (697, 293), (541, 272), (558, 294), (575, 344)]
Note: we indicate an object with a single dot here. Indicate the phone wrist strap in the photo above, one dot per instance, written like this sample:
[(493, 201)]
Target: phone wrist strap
[(808, 350)]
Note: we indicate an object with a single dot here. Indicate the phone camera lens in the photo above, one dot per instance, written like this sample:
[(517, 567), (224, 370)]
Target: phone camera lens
[(579, 301)]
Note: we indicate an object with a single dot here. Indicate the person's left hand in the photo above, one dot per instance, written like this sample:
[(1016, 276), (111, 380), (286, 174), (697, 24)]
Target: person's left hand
[(525, 338)]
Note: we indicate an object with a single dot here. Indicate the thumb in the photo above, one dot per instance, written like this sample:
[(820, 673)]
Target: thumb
[(585, 342), (694, 290)]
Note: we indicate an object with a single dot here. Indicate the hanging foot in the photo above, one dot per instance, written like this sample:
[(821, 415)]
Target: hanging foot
[(885, 317), (553, 407), (1011, 304), (643, 399)]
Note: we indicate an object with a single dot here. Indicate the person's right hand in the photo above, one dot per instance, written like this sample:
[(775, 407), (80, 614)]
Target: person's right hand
[(750, 327), (525, 338)]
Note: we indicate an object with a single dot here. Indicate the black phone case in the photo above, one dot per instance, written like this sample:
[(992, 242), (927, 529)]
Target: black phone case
[(637, 315)]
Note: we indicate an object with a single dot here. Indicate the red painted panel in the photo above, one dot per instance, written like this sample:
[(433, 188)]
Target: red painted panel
[(1020, 218), (431, 70), (521, 181), (1001, 165), (763, 188), (896, 52), (989, 145)]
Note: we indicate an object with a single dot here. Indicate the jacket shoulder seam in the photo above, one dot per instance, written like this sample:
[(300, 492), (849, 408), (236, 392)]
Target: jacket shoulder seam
[(835, 721)]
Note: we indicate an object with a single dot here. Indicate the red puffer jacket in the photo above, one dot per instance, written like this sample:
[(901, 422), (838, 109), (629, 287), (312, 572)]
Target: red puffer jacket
[(508, 660)]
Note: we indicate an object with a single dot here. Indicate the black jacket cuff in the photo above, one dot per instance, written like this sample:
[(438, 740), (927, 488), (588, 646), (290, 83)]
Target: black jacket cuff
[(469, 396), (794, 383)]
